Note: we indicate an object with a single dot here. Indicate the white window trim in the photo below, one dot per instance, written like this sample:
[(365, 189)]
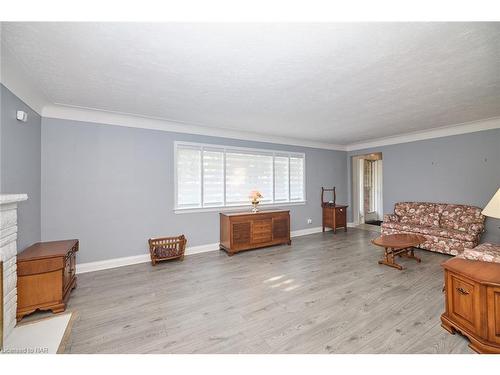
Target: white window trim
[(237, 208), (225, 149)]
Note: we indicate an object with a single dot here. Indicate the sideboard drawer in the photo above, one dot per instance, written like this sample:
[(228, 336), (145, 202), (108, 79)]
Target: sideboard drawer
[(262, 230)]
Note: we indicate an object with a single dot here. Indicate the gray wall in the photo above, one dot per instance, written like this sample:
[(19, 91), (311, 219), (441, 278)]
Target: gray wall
[(113, 187), (20, 164), (457, 169)]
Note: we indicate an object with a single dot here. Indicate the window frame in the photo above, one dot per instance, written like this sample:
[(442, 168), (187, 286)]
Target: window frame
[(224, 149)]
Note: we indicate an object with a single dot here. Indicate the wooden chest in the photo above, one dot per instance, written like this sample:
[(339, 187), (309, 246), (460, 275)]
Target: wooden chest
[(473, 302), (46, 274), (334, 216), (247, 230)]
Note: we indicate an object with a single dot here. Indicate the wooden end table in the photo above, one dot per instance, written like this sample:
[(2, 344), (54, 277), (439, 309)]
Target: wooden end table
[(400, 244)]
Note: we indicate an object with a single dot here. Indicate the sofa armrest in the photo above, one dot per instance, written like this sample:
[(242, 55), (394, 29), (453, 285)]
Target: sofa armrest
[(391, 218)]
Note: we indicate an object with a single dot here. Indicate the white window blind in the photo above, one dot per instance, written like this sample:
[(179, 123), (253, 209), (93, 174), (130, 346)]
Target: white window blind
[(188, 177), (213, 178), (296, 179), (247, 172), (281, 179), (219, 176)]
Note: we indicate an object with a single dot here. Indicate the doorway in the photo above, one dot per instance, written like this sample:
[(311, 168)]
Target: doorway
[(367, 189)]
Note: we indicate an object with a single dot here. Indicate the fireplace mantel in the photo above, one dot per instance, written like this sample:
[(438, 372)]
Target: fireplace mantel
[(12, 198), (8, 255)]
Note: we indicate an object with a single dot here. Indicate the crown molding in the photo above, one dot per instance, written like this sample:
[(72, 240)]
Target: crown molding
[(445, 131), (142, 122), (97, 116), (15, 79)]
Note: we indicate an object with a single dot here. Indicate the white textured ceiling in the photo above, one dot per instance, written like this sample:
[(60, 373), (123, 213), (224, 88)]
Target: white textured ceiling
[(335, 83)]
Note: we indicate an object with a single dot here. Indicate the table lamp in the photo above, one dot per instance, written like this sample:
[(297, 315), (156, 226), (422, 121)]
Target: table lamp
[(492, 209)]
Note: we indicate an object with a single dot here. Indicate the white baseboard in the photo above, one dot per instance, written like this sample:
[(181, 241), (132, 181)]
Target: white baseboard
[(136, 259), (111, 263), (305, 232), (143, 258), (202, 248)]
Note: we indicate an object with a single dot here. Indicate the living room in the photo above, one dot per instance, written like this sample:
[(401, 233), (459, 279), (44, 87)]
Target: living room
[(250, 188)]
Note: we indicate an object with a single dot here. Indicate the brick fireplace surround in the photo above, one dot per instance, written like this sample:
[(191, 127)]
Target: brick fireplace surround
[(8, 255)]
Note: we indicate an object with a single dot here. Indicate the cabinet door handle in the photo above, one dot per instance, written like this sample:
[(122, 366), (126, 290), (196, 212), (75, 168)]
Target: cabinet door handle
[(462, 291)]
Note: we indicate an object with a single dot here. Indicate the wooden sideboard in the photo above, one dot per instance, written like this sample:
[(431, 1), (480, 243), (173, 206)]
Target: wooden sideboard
[(473, 302), (334, 216), (46, 274), (247, 230)]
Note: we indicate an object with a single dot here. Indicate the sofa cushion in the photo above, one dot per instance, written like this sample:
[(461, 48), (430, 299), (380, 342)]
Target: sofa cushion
[(447, 233), (432, 231), (400, 226), (485, 252), (435, 243), (417, 213), (458, 235), (462, 218), (445, 245)]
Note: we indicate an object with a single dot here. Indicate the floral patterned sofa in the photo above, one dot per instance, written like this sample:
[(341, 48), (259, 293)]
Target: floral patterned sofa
[(448, 228)]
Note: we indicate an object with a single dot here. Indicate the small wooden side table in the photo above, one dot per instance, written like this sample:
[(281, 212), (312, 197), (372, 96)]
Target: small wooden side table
[(333, 216), (400, 244)]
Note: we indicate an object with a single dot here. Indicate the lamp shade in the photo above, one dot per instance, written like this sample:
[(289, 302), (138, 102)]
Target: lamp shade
[(492, 209)]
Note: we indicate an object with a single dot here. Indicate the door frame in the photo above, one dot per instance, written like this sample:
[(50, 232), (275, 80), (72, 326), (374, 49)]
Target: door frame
[(357, 186), (357, 191)]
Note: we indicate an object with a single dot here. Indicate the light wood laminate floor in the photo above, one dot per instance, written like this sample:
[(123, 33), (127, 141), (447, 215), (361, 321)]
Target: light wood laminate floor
[(323, 294)]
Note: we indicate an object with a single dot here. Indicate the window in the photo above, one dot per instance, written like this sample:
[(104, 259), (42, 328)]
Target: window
[(218, 176)]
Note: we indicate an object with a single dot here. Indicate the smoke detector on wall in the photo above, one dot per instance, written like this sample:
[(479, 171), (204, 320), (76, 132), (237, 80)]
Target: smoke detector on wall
[(22, 116)]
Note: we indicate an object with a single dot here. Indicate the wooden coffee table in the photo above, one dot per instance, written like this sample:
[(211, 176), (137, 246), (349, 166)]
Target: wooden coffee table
[(401, 244)]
